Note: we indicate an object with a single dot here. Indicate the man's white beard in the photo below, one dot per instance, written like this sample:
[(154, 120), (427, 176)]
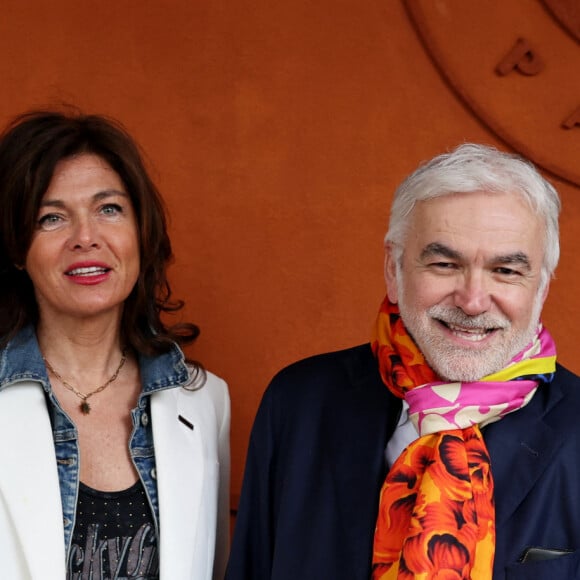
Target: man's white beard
[(454, 363)]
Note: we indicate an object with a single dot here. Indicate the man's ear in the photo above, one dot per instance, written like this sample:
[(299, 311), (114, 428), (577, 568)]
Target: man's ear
[(391, 272)]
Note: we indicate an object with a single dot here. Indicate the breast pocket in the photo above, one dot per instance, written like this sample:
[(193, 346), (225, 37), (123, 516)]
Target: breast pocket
[(564, 567)]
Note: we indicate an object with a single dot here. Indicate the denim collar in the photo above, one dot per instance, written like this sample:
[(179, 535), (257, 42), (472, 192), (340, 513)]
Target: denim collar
[(21, 360)]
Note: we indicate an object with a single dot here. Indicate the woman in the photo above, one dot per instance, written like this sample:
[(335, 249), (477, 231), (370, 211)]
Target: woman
[(114, 459)]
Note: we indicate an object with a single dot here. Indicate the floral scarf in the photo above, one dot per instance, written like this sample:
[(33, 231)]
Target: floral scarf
[(436, 514)]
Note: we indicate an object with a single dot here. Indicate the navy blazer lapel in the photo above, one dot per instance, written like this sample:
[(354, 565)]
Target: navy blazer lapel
[(521, 447), (358, 424)]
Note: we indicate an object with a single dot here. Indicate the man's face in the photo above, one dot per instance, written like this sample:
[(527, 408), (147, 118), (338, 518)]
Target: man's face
[(468, 285)]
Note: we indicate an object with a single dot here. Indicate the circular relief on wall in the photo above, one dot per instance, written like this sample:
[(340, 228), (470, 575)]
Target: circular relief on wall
[(567, 12), (515, 64)]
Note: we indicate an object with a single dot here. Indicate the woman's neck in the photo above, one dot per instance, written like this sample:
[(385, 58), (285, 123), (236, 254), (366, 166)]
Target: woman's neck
[(83, 348)]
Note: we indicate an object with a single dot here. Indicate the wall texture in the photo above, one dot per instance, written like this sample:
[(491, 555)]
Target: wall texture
[(277, 132)]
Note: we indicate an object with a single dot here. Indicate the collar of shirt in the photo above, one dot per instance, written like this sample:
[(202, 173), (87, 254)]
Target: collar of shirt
[(404, 434)]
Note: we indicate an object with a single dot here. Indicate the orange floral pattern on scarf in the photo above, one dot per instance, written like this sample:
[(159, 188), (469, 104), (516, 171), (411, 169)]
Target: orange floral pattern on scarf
[(436, 516)]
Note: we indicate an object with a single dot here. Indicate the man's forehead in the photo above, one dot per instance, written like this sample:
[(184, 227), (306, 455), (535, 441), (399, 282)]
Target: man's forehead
[(489, 195), (481, 209)]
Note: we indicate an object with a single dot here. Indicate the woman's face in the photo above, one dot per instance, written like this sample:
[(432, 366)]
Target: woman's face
[(84, 256)]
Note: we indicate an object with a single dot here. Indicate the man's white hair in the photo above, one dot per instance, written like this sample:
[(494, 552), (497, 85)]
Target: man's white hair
[(479, 168)]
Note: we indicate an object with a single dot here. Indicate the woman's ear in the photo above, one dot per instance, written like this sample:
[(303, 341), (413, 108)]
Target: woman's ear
[(391, 256)]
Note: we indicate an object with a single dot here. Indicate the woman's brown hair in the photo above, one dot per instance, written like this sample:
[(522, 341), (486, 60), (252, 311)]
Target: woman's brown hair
[(30, 148)]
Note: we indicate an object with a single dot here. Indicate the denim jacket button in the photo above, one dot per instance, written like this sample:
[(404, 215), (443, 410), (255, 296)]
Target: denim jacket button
[(144, 419), (153, 473)]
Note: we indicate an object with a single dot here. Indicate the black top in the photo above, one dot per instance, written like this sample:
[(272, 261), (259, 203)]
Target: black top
[(114, 536)]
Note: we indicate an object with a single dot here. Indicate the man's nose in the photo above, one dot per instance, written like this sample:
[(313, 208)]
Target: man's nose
[(472, 294)]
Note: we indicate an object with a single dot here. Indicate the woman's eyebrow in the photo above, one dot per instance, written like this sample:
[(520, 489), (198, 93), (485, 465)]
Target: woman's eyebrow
[(98, 196)]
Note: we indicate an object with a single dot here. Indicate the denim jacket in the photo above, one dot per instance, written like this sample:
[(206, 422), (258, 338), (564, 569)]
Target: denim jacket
[(22, 360)]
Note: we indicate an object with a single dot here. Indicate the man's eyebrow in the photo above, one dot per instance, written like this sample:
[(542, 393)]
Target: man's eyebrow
[(517, 258), (438, 249)]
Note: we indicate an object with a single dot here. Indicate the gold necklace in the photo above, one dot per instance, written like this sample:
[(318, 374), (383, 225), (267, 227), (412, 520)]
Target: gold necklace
[(85, 407)]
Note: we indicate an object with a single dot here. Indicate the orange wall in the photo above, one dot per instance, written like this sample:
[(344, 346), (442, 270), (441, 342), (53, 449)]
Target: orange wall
[(277, 132)]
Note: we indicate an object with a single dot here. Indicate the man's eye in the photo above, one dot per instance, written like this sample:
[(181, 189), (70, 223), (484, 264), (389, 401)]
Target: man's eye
[(444, 265), (507, 271)]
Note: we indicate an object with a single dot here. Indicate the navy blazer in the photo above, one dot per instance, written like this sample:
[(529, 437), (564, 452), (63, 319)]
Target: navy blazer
[(316, 463)]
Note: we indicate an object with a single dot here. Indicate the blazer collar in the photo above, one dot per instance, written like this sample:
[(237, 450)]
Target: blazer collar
[(180, 469), (521, 446)]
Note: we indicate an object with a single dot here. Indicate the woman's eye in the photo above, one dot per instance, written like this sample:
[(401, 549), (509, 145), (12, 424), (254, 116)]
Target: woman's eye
[(112, 209), (49, 221)]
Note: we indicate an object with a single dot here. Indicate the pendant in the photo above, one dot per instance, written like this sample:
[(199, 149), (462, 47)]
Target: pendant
[(85, 408)]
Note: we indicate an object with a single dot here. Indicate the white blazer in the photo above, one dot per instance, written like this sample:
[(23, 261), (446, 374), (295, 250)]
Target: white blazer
[(193, 471)]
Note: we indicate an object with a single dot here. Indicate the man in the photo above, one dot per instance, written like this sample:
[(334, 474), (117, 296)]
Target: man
[(449, 447)]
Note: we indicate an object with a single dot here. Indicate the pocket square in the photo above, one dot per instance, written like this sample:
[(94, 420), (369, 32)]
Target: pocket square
[(537, 554)]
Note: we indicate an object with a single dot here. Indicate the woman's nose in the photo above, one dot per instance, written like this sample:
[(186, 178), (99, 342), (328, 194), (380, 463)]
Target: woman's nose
[(84, 234)]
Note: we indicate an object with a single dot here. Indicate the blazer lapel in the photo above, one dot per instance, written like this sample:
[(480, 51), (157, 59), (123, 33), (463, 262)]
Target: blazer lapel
[(357, 426), (29, 486), (180, 469), (521, 446)]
